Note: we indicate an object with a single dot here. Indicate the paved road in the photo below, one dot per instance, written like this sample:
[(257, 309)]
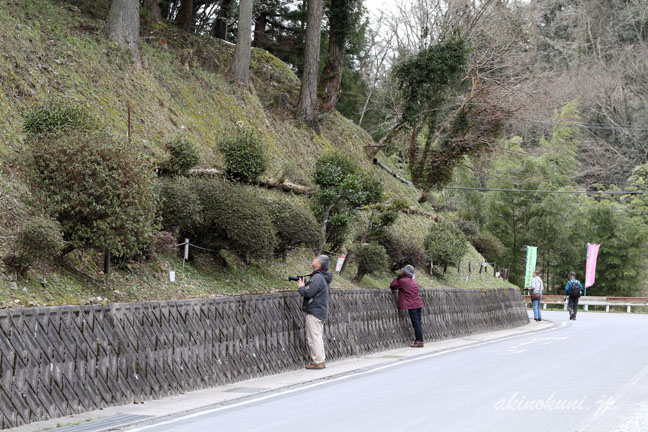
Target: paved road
[(591, 374)]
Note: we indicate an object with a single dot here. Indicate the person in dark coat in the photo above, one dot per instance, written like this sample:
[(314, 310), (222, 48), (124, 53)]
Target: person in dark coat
[(316, 292), (573, 290), (409, 298)]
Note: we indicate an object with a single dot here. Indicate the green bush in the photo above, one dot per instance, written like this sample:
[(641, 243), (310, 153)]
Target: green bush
[(55, 116), (371, 258), (343, 189), (333, 168), (445, 244), (183, 155), (401, 250), (179, 208), (295, 226), (39, 239), (244, 154), (234, 218), (102, 192), (488, 245)]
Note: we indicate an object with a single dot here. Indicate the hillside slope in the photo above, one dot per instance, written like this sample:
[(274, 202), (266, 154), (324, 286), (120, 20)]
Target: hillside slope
[(54, 50)]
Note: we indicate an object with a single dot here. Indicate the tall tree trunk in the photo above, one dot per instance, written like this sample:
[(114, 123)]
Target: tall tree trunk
[(219, 30), (185, 15), (153, 10), (241, 66), (308, 92), (260, 38), (332, 74), (123, 25)]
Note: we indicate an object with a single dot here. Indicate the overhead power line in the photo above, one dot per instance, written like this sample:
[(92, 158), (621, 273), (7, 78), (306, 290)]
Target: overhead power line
[(477, 189)]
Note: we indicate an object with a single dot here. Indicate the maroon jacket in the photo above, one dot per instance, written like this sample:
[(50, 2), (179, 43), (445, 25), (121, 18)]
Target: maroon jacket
[(408, 295)]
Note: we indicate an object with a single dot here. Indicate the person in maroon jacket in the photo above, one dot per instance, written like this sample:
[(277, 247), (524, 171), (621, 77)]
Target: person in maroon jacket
[(409, 298)]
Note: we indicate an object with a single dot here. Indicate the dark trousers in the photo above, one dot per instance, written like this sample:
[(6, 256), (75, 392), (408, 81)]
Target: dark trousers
[(415, 316), (572, 306)]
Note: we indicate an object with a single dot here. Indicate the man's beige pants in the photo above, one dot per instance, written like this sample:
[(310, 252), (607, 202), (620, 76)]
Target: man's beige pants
[(315, 338)]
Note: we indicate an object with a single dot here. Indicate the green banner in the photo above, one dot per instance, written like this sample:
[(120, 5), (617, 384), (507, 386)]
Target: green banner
[(532, 256)]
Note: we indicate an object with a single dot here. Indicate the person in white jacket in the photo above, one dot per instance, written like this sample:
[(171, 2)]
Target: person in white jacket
[(536, 295)]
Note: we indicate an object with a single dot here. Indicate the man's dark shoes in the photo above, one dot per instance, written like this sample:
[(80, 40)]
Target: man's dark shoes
[(416, 344), (316, 365)]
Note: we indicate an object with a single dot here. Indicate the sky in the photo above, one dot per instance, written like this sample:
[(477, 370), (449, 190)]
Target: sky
[(375, 5)]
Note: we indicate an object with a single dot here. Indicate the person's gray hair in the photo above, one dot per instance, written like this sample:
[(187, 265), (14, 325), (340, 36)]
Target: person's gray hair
[(324, 261), (409, 270)]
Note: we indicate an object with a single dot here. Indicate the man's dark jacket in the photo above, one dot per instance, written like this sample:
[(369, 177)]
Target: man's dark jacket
[(316, 294)]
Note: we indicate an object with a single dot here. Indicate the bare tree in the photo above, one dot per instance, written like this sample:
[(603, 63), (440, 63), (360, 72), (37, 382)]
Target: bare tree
[(308, 92), (241, 66), (123, 25)]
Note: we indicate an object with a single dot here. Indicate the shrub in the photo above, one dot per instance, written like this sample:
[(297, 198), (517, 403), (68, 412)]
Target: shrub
[(178, 206), (343, 189), (244, 154), (183, 155), (445, 244), (102, 192), (55, 116), (401, 250), (295, 226), (468, 227), (39, 239), (165, 243), (234, 217), (371, 258), (488, 245)]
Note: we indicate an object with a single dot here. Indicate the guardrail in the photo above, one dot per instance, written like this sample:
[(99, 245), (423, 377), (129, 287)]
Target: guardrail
[(586, 301)]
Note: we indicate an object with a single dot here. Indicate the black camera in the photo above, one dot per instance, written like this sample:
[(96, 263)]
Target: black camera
[(295, 278)]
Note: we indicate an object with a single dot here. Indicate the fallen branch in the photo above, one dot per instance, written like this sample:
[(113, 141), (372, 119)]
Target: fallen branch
[(415, 211), (285, 186)]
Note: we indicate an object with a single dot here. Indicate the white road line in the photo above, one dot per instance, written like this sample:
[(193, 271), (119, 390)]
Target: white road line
[(332, 380)]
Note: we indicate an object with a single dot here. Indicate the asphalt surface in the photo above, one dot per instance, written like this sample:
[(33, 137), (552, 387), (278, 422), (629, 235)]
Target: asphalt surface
[(584, 375)]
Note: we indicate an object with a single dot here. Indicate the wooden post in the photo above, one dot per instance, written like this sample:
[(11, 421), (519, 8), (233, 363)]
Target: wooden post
[(106, 263), (129, 122)]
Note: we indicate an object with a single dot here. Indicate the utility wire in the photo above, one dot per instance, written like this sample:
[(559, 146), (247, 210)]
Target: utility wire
[(546, 191)]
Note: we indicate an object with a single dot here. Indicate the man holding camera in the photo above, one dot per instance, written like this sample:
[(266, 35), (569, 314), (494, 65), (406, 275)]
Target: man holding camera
[(316, 299)]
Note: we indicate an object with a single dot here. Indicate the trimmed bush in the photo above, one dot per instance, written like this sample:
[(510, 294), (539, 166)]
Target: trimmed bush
[(234, 218), (183, 155), (56, 116), (488, 245), (244, 154), (445, 244), (179, 208), (295, 226), (102, 192), (371, 258), (401, 250), (39, 240)]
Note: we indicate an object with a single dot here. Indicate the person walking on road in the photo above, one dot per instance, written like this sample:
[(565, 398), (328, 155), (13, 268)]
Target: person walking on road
[(573, 289), (536, 295), (409, 298), (316, 302)]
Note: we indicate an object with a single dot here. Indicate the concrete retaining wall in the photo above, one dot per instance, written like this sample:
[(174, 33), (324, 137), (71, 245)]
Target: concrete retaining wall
[(58, 361)]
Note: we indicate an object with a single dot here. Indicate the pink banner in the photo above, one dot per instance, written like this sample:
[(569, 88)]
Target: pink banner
[(590, 267)]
